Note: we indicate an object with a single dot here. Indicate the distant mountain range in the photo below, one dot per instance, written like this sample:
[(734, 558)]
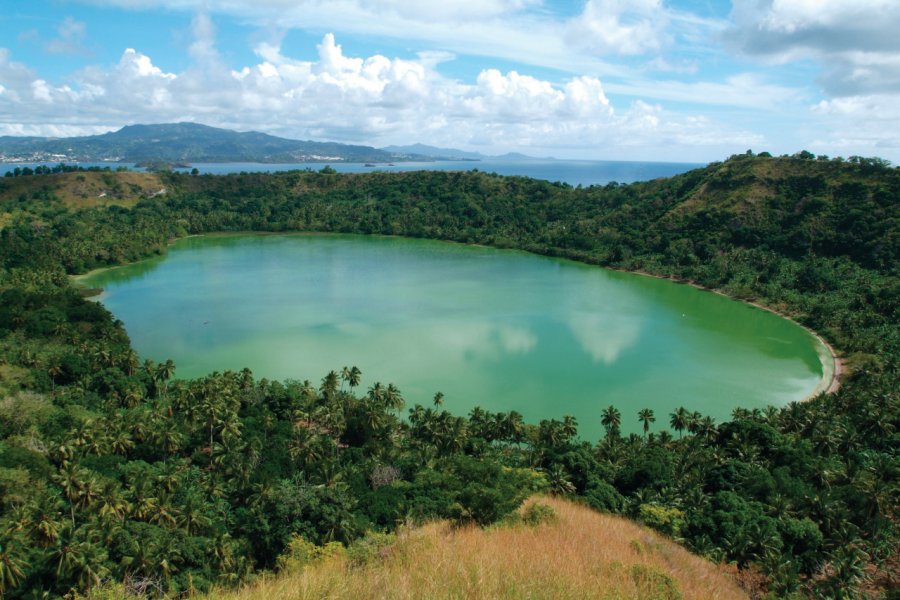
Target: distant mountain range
[(184, 143), (452, 153)]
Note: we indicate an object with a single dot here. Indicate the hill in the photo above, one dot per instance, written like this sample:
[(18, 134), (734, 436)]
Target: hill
[(88, 188), (578, 554), (435, 152), (454, 154), (111, 470), (188, 142)]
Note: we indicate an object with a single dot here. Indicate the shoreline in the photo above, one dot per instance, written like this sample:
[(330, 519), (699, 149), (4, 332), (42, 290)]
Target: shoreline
[(830, 382), (832, 364)]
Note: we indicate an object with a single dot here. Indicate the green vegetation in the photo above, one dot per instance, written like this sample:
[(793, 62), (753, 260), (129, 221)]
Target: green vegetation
[(112, 469)]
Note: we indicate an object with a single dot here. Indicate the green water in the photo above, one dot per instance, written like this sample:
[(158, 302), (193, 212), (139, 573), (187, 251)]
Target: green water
[(499, 329)]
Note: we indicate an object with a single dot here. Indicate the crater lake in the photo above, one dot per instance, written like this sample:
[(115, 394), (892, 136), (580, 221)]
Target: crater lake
[(500, 329)]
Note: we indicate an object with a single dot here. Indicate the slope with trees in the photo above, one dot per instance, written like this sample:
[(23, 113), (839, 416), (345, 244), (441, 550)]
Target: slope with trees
[(110, 469)]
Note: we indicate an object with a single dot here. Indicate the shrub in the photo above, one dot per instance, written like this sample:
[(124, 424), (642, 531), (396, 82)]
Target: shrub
[(373, 545), (662, 518), (301, 552), (538, 513)]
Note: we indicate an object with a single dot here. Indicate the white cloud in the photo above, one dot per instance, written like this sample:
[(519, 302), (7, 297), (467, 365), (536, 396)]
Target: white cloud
[(70, 39), (856, 42), (743, 90), (619, 27), (859, 124), (516, 30), (203, 50), (857, 47), (374, 100)]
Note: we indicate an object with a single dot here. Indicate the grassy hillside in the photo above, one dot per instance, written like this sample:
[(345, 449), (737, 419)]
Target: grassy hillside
[(580, 554), (87, 189)]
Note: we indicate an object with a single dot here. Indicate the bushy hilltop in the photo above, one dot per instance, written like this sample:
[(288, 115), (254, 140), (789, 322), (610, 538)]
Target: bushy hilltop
[(112, 470)]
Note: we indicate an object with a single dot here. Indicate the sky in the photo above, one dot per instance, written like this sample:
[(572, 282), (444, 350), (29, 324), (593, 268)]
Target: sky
[(654, 80)]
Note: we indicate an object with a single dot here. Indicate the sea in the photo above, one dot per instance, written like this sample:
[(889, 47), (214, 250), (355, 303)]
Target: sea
[(573, 172)]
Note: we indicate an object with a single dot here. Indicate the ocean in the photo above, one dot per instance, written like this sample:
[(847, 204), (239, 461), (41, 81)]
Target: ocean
[(572, 172)]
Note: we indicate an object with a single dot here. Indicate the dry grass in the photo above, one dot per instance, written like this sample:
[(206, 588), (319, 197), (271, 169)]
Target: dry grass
[(583, 554), (87, 189)]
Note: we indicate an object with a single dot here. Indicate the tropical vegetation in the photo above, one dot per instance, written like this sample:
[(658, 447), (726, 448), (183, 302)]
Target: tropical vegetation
[(114, 470)]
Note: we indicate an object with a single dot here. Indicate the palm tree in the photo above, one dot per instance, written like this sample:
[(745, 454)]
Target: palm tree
[(345, 376), (354, 377), (376, 393), (569, 427), (54, 371), (163, 374), (707, 428), (693, 421), (47, 526), (78, 560), (112, 503), (121, 441), (302, 447), (416, 413), (679, 420), (477, 419), (645, 416), (611, 420), (559, 480), (12, 568), (329, 384), (439, 399), (167, 437), (71, 480), (192, 518), (132, 397), (550, 432), (130, 362), (514, 427), (393, 398)]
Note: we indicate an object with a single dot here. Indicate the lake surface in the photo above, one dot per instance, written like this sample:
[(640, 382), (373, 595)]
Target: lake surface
[(573, 172), (504, 330)]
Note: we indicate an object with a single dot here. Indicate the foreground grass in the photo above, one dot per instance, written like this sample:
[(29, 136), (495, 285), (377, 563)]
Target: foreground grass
[(580, 554)]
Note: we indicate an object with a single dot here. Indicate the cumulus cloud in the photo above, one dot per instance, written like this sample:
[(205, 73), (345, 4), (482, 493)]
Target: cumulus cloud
[(856, 42), (373, 100), (858, 50), (859, 124), (327, 98), (619, 26)]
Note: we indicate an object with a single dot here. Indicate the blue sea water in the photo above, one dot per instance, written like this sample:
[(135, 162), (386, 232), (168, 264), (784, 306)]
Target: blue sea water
[(572, 172)]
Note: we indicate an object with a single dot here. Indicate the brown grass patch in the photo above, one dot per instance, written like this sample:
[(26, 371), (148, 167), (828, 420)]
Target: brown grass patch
[(86, 189), (582, 554)]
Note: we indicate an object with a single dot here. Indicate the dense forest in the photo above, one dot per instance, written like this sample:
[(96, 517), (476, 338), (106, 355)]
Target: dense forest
[(112, 469)]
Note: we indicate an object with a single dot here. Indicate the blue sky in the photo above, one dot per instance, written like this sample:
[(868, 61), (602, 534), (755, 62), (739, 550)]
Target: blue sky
[(602, 79)]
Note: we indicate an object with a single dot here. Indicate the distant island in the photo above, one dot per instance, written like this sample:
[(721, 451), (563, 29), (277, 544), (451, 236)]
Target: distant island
[(186, 143)]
